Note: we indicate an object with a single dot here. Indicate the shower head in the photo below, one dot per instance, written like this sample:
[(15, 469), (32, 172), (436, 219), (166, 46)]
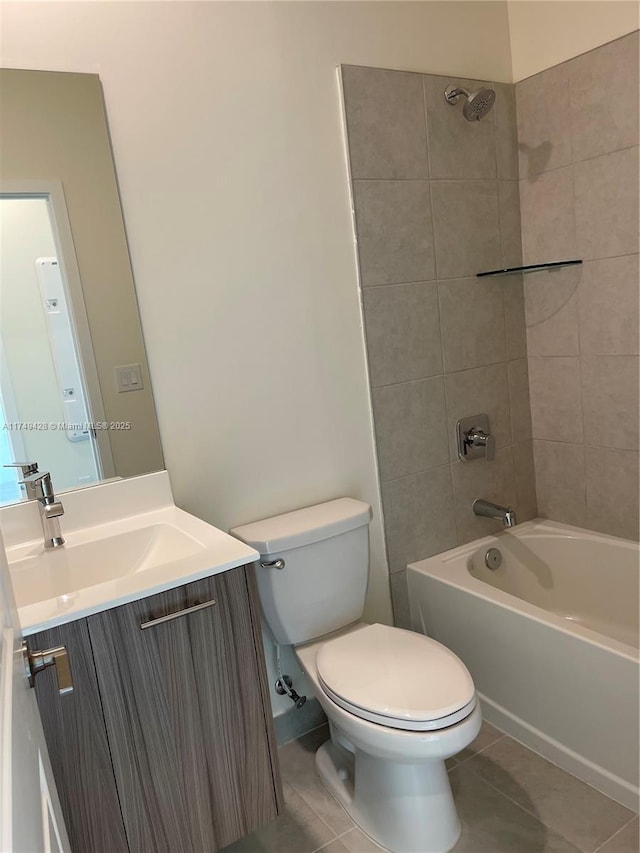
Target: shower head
[(477, 103)]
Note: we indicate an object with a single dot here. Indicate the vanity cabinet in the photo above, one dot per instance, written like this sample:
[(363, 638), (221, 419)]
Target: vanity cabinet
[(78, 747), (166, 743)]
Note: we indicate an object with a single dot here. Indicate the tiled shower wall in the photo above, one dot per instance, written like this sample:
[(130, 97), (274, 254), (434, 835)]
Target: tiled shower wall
[(436, 201), (578, 138)]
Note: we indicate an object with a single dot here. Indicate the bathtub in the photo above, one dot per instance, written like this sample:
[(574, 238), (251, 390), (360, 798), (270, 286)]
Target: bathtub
[(551, 640)]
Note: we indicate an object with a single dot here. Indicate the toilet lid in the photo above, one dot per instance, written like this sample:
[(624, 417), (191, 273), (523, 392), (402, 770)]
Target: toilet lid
[(396, 677)]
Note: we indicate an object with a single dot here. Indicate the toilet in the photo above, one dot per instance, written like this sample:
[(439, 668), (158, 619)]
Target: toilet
[(398, 703)]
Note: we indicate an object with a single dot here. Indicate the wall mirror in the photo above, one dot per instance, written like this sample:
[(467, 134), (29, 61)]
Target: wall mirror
[(75, 392)]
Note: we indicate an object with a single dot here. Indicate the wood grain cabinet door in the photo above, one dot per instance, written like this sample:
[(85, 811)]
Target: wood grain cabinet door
[(187, 715), (76, 738)]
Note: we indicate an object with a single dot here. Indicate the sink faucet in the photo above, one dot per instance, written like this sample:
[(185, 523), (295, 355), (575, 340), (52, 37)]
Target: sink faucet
[(51, 509), (491, 510)]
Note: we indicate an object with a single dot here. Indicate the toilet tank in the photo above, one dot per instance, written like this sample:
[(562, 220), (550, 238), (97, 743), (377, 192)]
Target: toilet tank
[(322, 586)]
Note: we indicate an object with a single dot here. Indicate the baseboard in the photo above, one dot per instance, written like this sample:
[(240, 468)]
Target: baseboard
[(594, 775), (295, 722)]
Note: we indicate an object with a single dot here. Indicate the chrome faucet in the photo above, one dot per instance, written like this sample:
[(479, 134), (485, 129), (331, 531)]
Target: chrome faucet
[(51, 509), (491, 510)]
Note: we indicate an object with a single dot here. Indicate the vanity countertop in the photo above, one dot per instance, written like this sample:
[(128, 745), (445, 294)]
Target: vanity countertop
[(125, 540)]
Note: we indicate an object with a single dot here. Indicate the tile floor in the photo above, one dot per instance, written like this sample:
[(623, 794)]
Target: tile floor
[(510, 800)]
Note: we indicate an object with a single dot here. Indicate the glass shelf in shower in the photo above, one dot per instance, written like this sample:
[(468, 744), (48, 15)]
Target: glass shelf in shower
[(529, 268)]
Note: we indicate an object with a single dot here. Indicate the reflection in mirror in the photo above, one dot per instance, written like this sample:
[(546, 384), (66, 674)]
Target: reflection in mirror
[(46, 412), (71, 348)]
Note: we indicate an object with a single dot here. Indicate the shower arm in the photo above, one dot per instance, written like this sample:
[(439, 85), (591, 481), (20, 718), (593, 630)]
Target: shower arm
[(453, 94)]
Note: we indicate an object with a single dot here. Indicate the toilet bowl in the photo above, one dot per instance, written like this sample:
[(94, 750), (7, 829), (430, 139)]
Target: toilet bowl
[(392, 780), (398, 703)]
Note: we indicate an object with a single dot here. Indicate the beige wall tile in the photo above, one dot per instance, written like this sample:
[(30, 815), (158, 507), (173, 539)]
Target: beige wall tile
[(544, 137), (609, 307), (560, 481), (458, 148), (385, 122), (483, 390), (466, 227), (410, 424), (556, 400), (400, 599), (472, 318), (612, 491), (526, 505), (506, 131), (606, 200), (395, 238), (605, 98), (610, 400), (419, 516), (579, 319), (519, 402), (402, 325), (548, 220), (493, 481), (551, 311), (514, 316), (510, 225)]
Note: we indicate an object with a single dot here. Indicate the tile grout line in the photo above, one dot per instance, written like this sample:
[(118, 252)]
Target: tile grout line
[(617, 832), (451, 463), (586, 354), (319, 816), (516, 803), (433, 238), (479, 752), (527, 177), (467, 370), (337, 838), (534, 176), (537, 816), (322, 820), (581, 384)]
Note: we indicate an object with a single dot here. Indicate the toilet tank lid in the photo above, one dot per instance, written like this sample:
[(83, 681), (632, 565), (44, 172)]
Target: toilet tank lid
[(304, 526)]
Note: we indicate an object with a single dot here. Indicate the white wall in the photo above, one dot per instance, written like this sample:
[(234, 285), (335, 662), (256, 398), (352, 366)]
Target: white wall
[(547, 32), (227, 141)]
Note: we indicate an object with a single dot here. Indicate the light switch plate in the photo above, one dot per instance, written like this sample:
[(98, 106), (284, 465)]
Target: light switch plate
[(128, 377)]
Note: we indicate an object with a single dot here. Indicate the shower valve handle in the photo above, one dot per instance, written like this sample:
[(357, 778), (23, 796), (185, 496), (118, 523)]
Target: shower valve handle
[(477, 437), (474, 438)]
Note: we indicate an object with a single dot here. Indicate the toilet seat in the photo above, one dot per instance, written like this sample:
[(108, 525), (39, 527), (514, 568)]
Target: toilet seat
[(396, 678)]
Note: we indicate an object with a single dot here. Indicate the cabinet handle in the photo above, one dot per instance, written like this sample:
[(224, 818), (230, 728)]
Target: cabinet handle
[(187, 610), (35, 662)]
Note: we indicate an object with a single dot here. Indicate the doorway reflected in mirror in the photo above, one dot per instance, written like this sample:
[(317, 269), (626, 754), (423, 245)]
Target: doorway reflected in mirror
[(45, 403)]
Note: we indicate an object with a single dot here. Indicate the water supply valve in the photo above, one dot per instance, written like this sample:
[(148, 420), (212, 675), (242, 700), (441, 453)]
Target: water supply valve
[(284, 686)]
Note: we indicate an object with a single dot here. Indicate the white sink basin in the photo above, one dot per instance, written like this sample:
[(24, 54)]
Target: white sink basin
[(103, 565), (40, 574)]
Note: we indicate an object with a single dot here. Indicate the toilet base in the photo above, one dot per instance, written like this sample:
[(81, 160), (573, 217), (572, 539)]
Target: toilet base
[(404, 807)]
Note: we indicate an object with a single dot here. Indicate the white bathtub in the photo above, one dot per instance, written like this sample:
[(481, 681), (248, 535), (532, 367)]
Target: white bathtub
[(551, 640)]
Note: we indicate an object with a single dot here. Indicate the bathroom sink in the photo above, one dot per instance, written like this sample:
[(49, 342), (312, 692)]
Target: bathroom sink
[(39, 574), (123, 541)]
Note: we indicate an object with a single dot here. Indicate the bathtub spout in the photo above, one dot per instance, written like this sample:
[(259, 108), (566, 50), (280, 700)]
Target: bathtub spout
[(491, 510)]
